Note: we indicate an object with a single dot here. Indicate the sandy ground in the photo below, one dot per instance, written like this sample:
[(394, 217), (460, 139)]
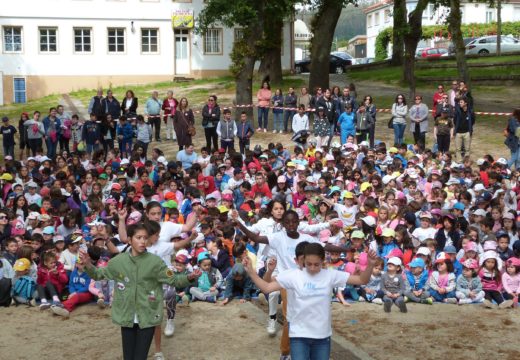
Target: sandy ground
[(203, 331), (432, 332)]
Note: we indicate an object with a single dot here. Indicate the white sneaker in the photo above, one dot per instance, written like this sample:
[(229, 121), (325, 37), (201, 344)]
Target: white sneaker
[(158, 356), (506, 304), (281, 132), (262, 299), (271, 327), (58, 310), (45, 306), (274, 131), (169, 329), (265, 130), (378, 301), (361, 299)]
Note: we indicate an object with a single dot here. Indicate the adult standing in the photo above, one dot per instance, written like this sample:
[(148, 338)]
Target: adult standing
[(188, 157), (464, 120), (512, 140), (152, 110), (22, 129), (35, 133), (419, 122), (437, 97), (305, 99), (453, 92), (329, 105), (95, 105), (210, 119), (370, 108), (108, 132), (290, 102), (129, 105), (277, 102), (264, 97), (183, 122), (111, 105), (52, 126), (7, 130), (399, 112), (443, 105), (347, 98), (169, 107)]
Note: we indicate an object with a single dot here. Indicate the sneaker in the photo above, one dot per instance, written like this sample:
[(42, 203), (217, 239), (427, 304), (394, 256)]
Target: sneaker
[(185, 300), (406, 299), (60, 311), (211, 299), (388, 306), (101, 303), (45, 306), (361, 299), (271, 327), (32, 303), (262, 299), (281, 132), (428, 301), (487, 304), (259, 129), (402, 306), (450, 301), (158, 356), (265, 130), (169, 329), (274, 131), (506, 304), (285, 357), (377, 301), (57, 304), (465, 301)]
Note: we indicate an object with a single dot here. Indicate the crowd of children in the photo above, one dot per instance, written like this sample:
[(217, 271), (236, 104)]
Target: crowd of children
[(428, 229)]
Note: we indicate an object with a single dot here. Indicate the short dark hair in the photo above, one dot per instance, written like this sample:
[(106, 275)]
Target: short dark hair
[(300, 248), (314, 249)]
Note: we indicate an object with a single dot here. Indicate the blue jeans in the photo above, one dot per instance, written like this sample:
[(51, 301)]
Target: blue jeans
[(310, 349), (278, 121), (399, 133), (440, 297), (288, 114), (515, 159), (263, 117), (126, 147), (91, 148), (51, 148)]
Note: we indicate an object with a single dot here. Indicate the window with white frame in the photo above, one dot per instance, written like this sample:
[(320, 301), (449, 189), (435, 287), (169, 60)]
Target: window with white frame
[(82, 40), (149, 40), (116, 40), (48, 39), (489, 16), (213, 41), (369, 21), (12, 38), (376, 19)]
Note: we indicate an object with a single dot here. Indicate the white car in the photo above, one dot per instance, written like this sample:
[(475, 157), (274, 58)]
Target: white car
[(488, 45)]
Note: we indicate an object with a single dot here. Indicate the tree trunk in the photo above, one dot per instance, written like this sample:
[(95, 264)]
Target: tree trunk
[(271, 63), (499, 27), (412, 37), (399, 28), (454, 23), (323, 26)]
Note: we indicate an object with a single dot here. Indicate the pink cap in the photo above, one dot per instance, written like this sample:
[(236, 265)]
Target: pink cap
[(395, 253), (471, 246), (325, 235)]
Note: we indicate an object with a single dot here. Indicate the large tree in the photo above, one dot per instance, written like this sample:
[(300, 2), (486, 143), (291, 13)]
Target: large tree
[(322, 26), (399, 28), (454, 22), (249, 15)]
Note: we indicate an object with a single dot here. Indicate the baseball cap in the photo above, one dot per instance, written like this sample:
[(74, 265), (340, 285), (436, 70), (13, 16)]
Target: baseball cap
[(33, 215), (365, 186), (471, 264), (388, 232), (395, 261), (417, 262), (22, 264), (459, 206), (103, 176), (450, 249), (32, 184), (48, 230), (6, 177), (369, 220), (423, 250), (116, 186), (57, 238), (222, 209), (480, 212), (425, 215), (441, 257), (357, 234), (348, 195)]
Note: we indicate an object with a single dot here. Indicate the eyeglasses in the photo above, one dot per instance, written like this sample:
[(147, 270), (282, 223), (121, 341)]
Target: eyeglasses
[(3, 217)]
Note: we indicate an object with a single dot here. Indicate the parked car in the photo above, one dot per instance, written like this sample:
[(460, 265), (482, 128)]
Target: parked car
[(338, 63), (451, 47), (488, 45), (365, 60), (430, 52)]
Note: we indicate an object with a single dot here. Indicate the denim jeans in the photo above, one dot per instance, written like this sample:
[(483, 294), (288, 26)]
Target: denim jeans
[(263, 117), (440, 297), (278, 121), (288, 115), (91, 148), (310, 349), (515, 159), (399, 133), (51, 148)]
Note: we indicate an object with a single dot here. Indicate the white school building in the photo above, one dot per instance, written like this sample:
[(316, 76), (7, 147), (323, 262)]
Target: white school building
[(57, 46)]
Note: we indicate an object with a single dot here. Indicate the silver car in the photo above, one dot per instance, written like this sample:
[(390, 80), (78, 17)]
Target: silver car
[(488, 45)]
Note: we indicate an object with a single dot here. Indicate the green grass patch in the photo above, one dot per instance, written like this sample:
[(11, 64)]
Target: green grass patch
[(13, 111)]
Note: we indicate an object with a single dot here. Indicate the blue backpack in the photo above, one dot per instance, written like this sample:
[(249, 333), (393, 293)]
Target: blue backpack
[(24, 287)]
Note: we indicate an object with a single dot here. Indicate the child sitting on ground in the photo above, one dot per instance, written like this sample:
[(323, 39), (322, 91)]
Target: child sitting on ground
[(23, 290), (238, 284), (209, 282), (511, 280), (442, 281), (78, 292), (469, 287), (491, 281), (371, 292), (181, 267), (393, 285), (417, 282), (51, 281)]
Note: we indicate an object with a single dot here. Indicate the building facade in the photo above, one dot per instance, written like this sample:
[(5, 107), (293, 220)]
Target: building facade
[(379, 16), (57, 46)]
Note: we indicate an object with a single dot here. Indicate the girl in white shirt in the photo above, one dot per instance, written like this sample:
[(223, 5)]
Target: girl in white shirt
[(309, 312)]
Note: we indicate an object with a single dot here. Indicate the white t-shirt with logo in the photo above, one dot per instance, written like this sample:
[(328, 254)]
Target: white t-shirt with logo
[(309, 311), (285, 248), (347, 214)]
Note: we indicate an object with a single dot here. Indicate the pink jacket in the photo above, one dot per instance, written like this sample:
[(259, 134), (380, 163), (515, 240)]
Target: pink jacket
[(489, 281), (264, 97), (510, 283)]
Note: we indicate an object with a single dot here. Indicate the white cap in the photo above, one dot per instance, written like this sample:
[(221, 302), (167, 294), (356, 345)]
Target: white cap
[(502, 161), (480, 212), (479, 187), (480, 162), (364, 143), (395, 260), (124, 162), (423, 250), (369, 220), (162, 160)]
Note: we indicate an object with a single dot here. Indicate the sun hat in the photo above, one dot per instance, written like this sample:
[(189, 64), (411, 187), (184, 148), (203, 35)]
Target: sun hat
[(22, 264), (470, 246), (365, 186)]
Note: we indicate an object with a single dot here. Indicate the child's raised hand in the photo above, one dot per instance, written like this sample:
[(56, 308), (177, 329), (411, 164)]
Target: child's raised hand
[(234, 214), (372, 257), (194, 274), (247, 265), (122, 214), (271, 264), (84, 257)]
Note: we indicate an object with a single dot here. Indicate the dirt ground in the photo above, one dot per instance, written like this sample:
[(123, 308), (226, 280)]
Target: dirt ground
[(426, 332), (202, 332)]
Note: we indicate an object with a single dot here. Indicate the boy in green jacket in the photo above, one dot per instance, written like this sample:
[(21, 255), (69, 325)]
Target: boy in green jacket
[(138, 294)]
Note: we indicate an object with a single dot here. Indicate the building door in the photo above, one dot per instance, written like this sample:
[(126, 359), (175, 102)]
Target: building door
[(20, 95), (182, 51)]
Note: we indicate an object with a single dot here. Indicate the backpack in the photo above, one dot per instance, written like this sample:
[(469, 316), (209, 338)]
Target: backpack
[(24, 287)]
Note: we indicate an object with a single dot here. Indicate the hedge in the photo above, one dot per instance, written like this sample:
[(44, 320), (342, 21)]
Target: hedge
[(428, 32)]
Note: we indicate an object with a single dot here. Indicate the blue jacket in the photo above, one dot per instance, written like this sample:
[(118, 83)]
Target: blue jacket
[(460, 116), (47, 122), (91, 132), (457, 268), (347, 122), (78, 282), (127, 131), (423, 280), (243, 129)]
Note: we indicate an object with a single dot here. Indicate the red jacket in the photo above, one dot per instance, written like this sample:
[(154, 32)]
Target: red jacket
[(167, 109), (58, 279), (264, 190)]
